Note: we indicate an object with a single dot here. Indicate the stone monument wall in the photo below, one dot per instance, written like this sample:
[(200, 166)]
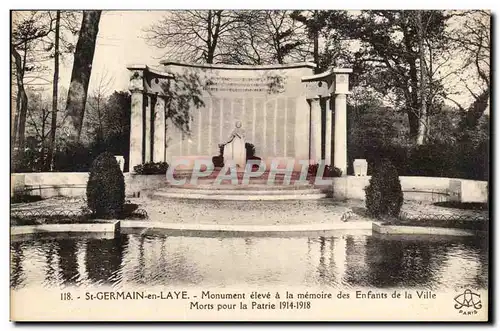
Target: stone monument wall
[(206, 101)]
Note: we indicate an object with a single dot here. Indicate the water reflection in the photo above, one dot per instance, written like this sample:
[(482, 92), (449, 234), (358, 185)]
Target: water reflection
[(16, 268), (336, 261), (66, 251), (104, 258)]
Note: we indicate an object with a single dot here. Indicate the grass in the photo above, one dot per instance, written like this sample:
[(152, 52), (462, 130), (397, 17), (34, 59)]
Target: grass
[(25, 198), (463, 205)]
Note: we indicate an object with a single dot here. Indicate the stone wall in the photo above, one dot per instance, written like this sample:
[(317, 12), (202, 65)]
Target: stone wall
[(268, 100), (433, 189), (49, 184), (74, 184)]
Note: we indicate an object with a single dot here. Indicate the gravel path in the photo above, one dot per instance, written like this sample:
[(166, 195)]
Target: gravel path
[(247, 212)]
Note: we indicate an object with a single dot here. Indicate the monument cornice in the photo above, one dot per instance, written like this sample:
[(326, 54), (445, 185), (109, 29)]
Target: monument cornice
[(241, 66), (144, 67), (326, 74)]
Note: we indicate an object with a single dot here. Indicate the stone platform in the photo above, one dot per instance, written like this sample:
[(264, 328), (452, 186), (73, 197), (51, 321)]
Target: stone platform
[(256, 192), (207, 188)]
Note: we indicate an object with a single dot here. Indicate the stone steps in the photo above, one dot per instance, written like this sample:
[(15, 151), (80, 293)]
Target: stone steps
[(246, 192), (188, 174), (240, 196), (257, 189), (248, 187), (262, 181)]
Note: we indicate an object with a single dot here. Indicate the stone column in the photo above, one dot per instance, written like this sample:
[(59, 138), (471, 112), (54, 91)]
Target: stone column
[(136, 120), (340, 140), (315, 139), (301, 132), (159, 130), (328, 132), (147, 128)]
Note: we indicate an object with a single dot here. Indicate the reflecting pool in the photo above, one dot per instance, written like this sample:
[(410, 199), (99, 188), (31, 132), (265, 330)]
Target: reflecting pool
[(355, 259)]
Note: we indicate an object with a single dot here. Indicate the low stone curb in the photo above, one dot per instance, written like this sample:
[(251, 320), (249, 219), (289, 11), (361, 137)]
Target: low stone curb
[(420, 230), (104, 226), (116, 226), (246, 228)]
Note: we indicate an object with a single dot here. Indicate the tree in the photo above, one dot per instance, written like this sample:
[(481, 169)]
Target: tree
[(281, 37), (96, 105), (116, 123), (312, 20), (28, 29), (37, 131), (393, 49), (471, 37), (193, 35), (55, 82), (265, 37), (423, 120), (82, 69)]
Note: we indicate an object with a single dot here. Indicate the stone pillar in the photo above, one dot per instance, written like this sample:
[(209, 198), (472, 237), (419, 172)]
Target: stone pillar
[(159, 130), (136, 119), (147, 128), (315, 139), (301, 132), (328, 132), (340, 140)]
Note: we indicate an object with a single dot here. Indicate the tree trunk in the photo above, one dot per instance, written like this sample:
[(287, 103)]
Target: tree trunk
[(42, 163), (22, 102), (316, 42), (412, 122), (477, 108), (80, 76), (53, 124), (422, 123)]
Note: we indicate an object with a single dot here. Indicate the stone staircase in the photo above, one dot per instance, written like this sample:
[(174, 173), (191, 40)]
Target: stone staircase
[(258, 189)]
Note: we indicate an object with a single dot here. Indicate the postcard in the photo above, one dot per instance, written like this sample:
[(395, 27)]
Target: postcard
[(250, 165)]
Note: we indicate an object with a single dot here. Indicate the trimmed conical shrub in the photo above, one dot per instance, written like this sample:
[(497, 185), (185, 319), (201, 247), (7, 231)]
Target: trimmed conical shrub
[(384, 196), (106, 187)]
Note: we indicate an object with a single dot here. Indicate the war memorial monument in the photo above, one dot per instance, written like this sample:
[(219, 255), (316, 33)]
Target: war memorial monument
[(206, 191), (286, 111)]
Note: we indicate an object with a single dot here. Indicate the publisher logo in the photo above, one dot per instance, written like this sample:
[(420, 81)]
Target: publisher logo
[(468, 302)]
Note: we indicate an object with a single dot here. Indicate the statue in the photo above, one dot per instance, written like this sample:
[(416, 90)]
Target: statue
[(234, 147)]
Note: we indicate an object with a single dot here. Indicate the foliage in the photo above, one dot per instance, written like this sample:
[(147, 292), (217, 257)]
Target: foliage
[(470, 36), (73, 157), (151, 168), (452, 150), (329, 171), (218, 160), (388, 58), (115, 126), (22, 197), (384, 196), (106, 187), (250, 150), (114, 137)]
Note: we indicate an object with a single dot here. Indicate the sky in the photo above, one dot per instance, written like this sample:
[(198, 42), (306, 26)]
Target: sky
[(119, 44)]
